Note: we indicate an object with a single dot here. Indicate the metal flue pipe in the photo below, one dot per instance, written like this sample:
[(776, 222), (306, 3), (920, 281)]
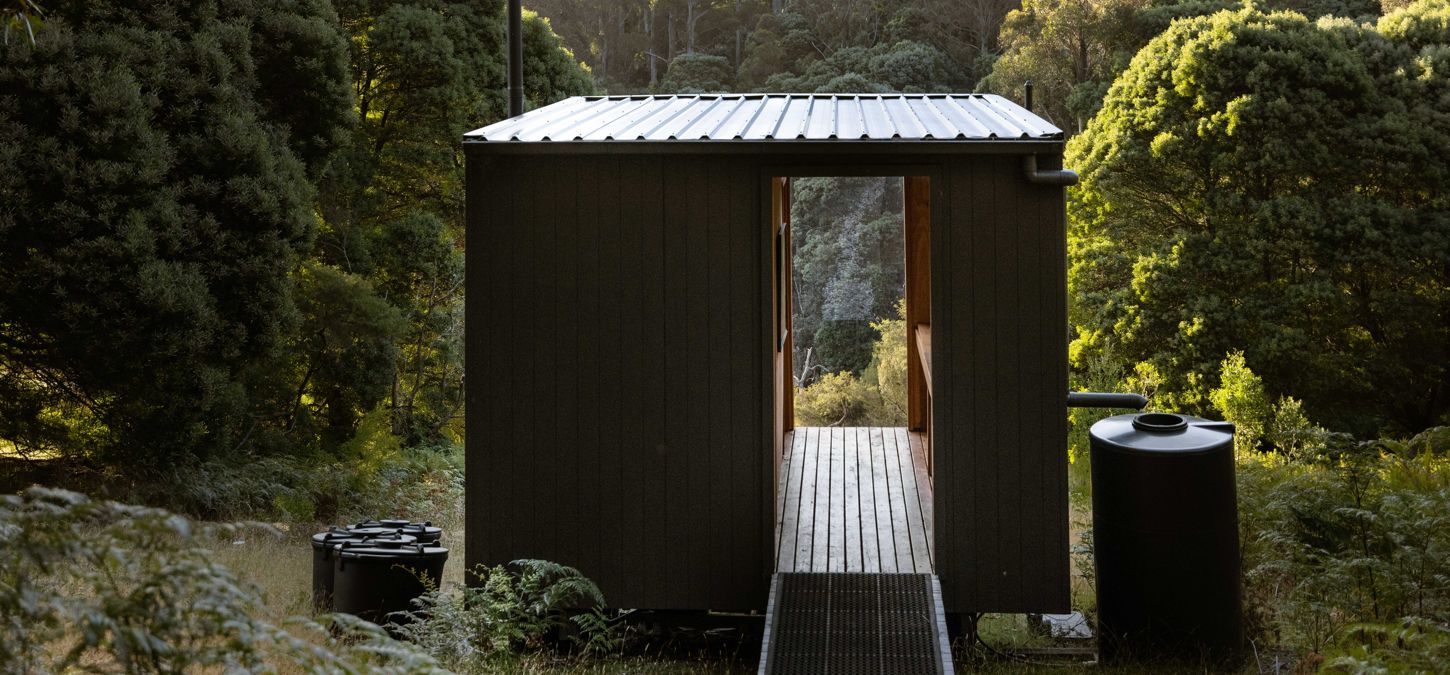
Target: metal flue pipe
[(516, 57)]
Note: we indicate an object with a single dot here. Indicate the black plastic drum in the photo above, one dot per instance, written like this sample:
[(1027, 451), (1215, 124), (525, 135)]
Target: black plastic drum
[(1165, 538), (324, 547), (373, 580)]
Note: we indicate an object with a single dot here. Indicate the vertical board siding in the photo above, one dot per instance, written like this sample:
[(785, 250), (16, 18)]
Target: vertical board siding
[(531, 289), (633, 452), (614, 344), (678, 502), (653, 563), (608, 501), (562, 457), (747, 248), (589, 332), (713, 374), (1052, 260), (999, 365), (952, 450)]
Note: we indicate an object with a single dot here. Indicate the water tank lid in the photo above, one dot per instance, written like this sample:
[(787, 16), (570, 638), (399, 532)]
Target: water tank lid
[(425, 530), (337, 536), (374, 531), (1158, 432), (390, 550)]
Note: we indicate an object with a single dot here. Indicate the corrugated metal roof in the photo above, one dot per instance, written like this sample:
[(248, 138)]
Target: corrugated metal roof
[(774, 117)]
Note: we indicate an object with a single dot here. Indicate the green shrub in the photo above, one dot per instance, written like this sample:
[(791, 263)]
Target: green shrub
[(844, 345), (697, 73), (889, 368), (877, 397), (1261, 425), (508, 612), (109, 587)]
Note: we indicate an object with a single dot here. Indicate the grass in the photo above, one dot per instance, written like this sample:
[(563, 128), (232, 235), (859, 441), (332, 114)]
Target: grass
[(279, 561)]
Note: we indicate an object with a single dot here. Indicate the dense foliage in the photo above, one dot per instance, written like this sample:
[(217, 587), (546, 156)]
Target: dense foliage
[(1072, 50), (232, 229), (637, 45), (155, 169), (848, 269), (1260, 183)]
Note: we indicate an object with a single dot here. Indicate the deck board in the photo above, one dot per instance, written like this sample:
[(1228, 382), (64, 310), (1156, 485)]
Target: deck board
[(805, 536), (870, 545), (920, 459), (911, 492), (885, 527), (852, 502), (836, 553), (900, 517), (855, 499)]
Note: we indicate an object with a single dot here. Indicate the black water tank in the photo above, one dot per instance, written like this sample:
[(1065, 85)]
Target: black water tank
[(1165, 538), (324, 550), (374, 579)]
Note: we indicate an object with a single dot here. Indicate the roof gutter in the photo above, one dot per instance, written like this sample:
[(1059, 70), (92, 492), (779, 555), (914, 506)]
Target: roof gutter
[(1063, 177)]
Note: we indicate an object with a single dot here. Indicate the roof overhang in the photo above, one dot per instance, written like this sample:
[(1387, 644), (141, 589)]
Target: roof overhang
[(773, 124)]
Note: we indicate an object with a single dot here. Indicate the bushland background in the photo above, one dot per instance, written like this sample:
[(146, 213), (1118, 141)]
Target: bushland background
[(231, 251)]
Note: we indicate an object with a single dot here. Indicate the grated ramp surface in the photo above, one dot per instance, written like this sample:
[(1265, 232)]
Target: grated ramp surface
[(855, 623)]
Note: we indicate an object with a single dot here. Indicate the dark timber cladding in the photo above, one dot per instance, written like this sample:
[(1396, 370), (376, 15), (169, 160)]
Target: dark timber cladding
[(620, 349)]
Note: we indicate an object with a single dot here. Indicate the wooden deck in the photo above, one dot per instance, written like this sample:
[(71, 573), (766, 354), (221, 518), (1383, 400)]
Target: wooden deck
[(854, 499)]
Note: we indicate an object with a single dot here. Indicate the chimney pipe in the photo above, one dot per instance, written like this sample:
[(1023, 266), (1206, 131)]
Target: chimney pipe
[(1027, 95), (516, 57)]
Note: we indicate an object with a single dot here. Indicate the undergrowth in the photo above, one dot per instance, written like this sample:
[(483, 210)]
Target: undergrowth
[(100, 586), (537, 606), (419, 483), (1347, 556)]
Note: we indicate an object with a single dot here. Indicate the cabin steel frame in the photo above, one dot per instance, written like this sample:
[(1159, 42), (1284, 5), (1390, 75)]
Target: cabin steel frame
[(624, 347)]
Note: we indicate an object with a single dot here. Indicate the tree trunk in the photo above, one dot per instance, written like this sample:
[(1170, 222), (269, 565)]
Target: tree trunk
[(690, 17), (739, 33), (649, 44), (670, 35), (603, 49)]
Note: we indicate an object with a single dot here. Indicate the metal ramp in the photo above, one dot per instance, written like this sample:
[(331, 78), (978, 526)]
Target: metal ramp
[(855, 623)]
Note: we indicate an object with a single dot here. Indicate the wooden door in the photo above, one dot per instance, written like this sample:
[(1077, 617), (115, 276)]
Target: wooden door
[(917, 200), (780, 299)]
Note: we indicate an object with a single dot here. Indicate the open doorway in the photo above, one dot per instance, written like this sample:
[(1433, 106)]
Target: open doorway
[(851, 303)]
